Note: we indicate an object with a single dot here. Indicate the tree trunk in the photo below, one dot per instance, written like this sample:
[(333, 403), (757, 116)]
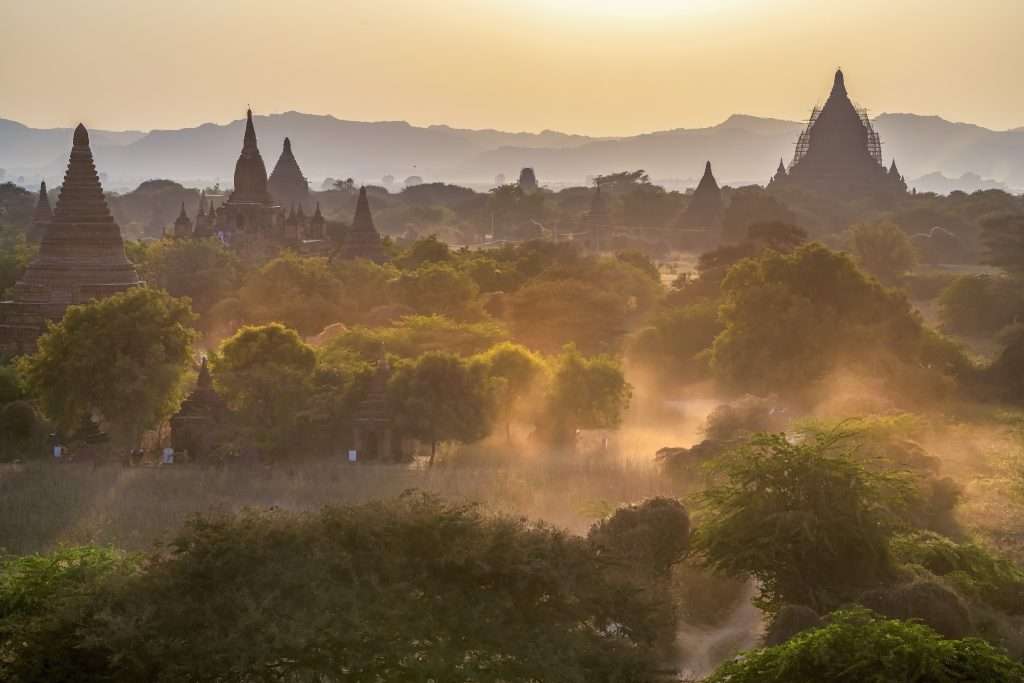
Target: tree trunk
[(433, 452)]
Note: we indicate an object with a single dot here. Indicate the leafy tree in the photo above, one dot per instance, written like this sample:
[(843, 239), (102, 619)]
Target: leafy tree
[(857, 646), (641, 262), (15, 253), (1003, 237), (790, 318), (414, 335), (514, 372), (265, 374), (806, 520), (751, 205), (440, 397), (653, 535), (407, 590), (203, 270), (427, 250), (45, 603), (981, 304), (882, 249), (299, 292), (124, 358), (366, 286), (547, 314), (586, 393), (438, 288), (678, 341), (777, 235)]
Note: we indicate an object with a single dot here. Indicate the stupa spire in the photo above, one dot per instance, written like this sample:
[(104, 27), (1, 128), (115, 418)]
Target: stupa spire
[(287, 184), (363, 240), (838, 85), (204, 380), (43, 212), (250, 172), (705, 207), (249, 141)]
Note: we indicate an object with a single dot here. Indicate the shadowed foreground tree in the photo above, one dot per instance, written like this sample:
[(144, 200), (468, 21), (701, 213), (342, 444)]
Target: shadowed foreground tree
[(265, 374), (124, 358), (440, 397), (1003, 237), (408, 590)]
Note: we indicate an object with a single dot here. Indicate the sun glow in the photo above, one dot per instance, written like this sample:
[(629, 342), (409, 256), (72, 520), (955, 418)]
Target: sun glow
[(638, 9)]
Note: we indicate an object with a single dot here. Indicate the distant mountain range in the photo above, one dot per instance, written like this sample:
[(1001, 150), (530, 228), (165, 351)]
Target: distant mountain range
[(934, 154)]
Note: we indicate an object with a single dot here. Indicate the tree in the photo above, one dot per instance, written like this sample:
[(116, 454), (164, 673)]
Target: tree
[(15, 253), (440, 397), (751, 205), (857, 646), (426, 250), (981, 304), (265, 374), (547, 314), (124, 358), (203, 270), (1003, 237), (586, 393), (438, 288), (300, 292), (651, 536), (413, 589), (882, 249), (806, 520), (514, 371)]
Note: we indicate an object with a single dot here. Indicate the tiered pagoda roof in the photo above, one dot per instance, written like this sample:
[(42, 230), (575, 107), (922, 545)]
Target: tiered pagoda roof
[(82, 254), (705, 207), (363, 240), (287, 185), (182, 224), (250, 172)]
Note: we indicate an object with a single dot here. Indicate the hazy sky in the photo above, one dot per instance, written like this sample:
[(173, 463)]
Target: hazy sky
[(608, 67)]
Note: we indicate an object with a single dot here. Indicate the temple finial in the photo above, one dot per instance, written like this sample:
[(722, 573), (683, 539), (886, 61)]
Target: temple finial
[(81, 136)]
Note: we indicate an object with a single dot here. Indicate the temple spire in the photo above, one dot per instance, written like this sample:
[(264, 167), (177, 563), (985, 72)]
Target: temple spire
[(204, 381), (249, 141), (838, 85), (43, 212)]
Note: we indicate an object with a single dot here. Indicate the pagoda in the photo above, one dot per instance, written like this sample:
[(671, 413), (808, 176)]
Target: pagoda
[(780, 174), (287, 185), (705, 208), (194, 426), (362, 239), (182, 225), (249, 208), (42, 215), (839, 153), (81, 256), (317, 225)]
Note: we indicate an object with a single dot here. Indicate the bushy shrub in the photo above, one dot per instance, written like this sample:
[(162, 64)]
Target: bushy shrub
[(981, 304), (859, 647), (652, 535)]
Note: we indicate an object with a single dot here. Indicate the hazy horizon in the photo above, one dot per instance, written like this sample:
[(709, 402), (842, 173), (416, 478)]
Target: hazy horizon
[(611, 68)]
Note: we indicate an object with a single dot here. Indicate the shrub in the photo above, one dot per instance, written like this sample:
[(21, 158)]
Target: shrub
[(859, 647), (980, 304), (652, 535)]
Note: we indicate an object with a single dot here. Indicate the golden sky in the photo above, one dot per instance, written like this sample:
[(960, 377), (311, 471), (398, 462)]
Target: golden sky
[(600, 67)]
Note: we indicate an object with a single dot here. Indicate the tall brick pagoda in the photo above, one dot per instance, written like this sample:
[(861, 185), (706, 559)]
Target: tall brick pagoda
[(250, 207), (839, 153), (81, 256), (287, 185), (363, 240)]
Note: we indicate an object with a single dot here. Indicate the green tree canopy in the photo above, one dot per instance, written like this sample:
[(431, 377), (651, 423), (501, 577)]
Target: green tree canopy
[(1003, 237), (514, 372), (440, 397), (124, 358), (438, 288), (203, 270), (391, 592), (265, 374), (857, 646), (300, 292), (882, 249), (805, 519), (586, 393)]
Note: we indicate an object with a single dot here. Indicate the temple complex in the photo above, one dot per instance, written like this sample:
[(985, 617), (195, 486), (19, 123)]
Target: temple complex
[(194, 426), (287, 185), (840, 153), (81, 256), (372, 428), (362, 239), (41, 216), (705, 208), (250, 209)]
